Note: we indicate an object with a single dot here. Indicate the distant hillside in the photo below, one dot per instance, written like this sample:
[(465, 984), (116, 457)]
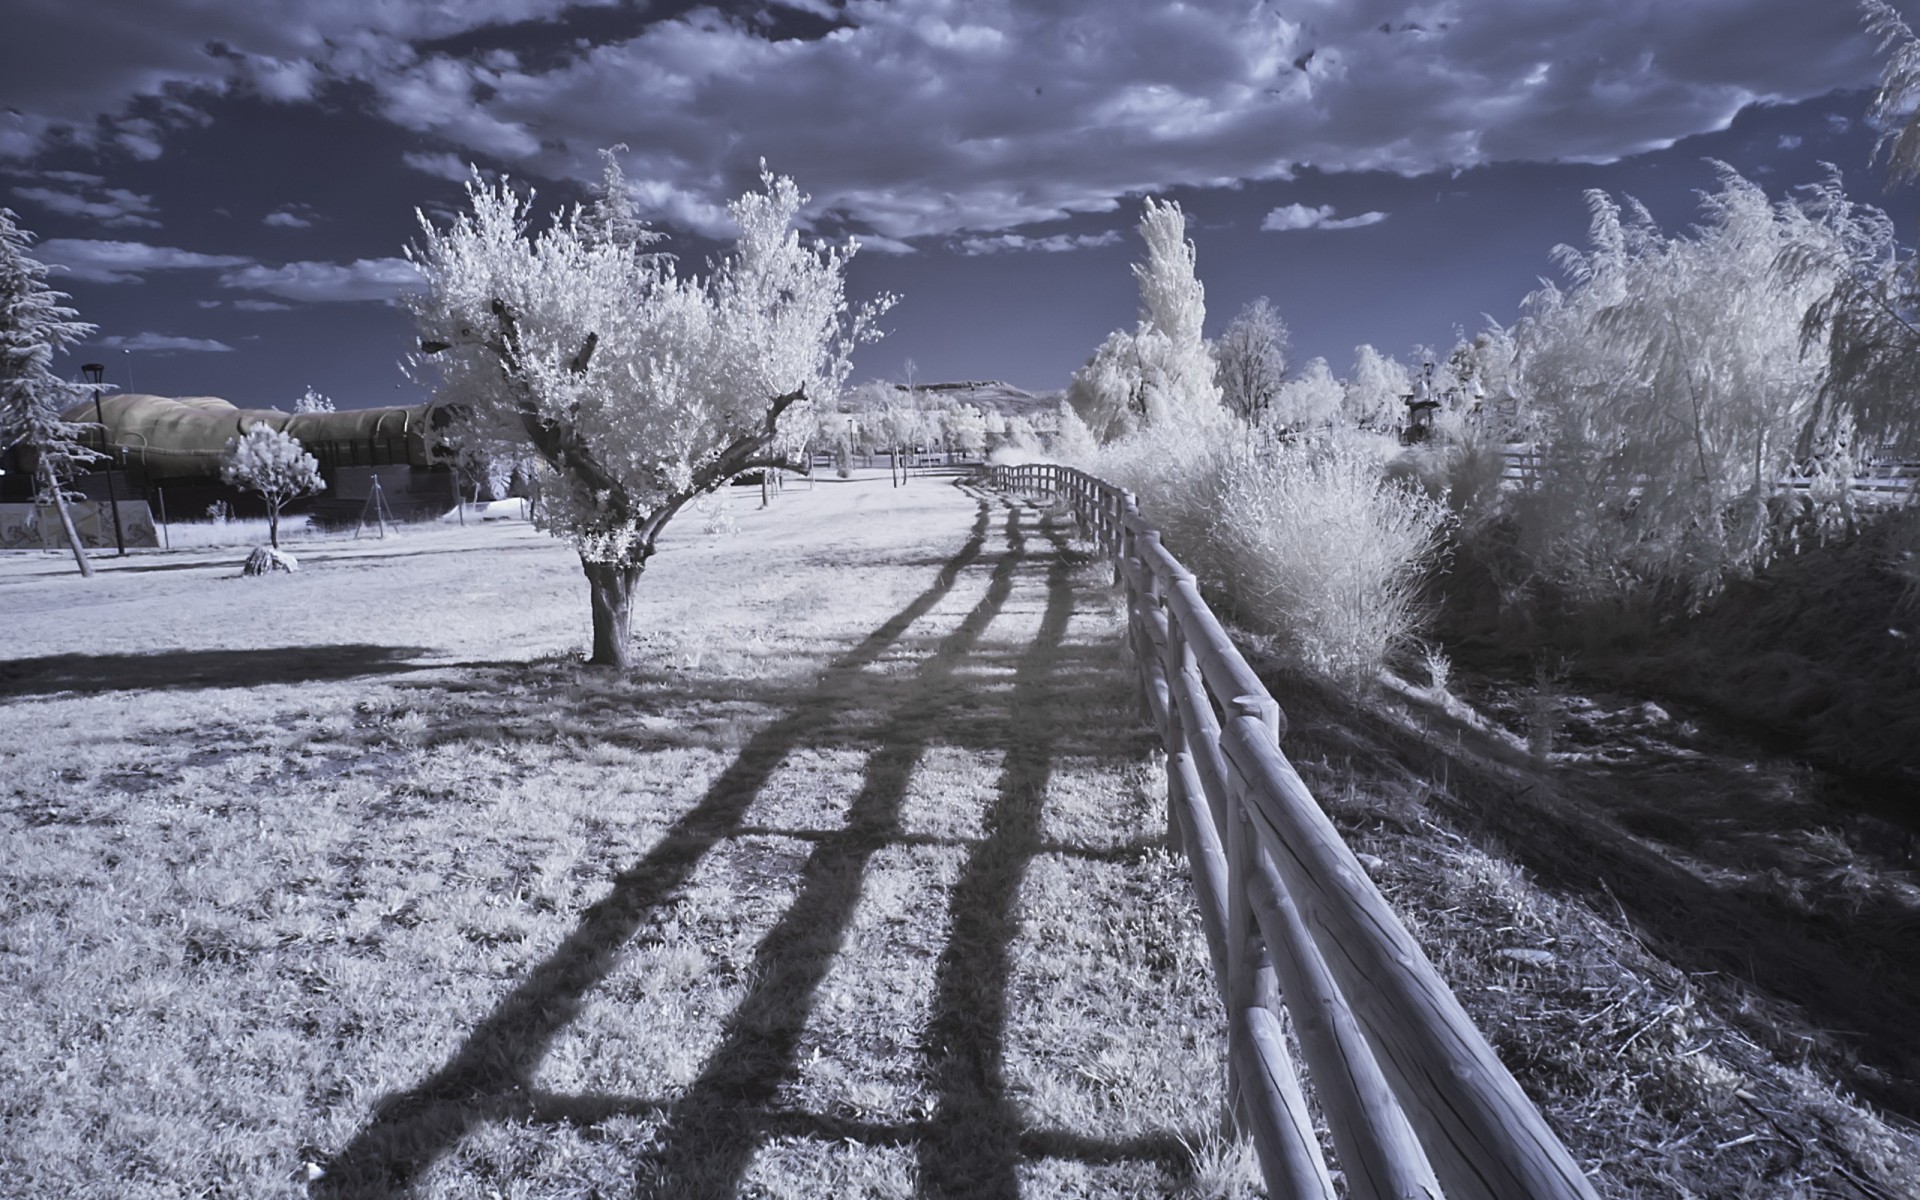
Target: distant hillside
[(996, 394)]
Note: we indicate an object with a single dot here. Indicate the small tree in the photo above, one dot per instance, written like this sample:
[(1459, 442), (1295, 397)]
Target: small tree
[(312, 401), (967, 430), (1249, 360), (1374, 391), (640, 389), (1309, 402), (274, 464), (34, 326)]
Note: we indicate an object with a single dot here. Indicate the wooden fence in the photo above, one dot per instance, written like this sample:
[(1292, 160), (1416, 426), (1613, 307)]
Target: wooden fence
[(1875, 485), (1415, 1099)]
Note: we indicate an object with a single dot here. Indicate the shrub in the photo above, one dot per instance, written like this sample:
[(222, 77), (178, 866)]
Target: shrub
[(1307, 540)]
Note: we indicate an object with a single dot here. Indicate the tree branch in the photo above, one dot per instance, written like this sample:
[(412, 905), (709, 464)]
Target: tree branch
[(557, 442)]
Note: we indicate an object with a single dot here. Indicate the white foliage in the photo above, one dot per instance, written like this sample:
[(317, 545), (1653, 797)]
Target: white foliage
[(1374, 391), (966, 428), (640, 388), (274, 464), (1250, 362), (34, 326), (1669, 386), (1161, 374), (271, 463), (1108, 393), (1865, 319), (1895, 102), (1312, 400), (312, 401)]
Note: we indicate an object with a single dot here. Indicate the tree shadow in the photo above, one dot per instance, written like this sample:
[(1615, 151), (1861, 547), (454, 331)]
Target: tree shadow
[(174, 670)]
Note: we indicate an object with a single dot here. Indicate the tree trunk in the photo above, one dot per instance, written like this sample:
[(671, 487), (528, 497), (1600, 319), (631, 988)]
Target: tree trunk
[(610, 588), (273, 525), (66, 523)]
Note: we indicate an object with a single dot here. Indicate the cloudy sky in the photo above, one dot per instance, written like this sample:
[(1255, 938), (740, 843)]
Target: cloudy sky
[(229, 183)]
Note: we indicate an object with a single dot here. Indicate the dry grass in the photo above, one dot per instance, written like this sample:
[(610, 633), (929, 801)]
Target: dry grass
[(1685, 1028), (351, 883)]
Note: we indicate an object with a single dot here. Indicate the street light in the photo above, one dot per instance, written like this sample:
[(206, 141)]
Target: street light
[(96, 373)]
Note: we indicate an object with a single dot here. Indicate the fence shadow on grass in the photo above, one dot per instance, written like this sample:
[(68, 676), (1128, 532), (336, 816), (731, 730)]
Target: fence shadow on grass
[(973, 1140)]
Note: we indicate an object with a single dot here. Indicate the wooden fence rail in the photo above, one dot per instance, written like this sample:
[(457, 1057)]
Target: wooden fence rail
[(1416, 1101)]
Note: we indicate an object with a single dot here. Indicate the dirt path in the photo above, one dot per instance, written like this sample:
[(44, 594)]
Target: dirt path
[(856, 886)]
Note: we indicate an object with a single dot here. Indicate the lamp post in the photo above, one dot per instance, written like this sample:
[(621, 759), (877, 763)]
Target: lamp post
[(96, 373)]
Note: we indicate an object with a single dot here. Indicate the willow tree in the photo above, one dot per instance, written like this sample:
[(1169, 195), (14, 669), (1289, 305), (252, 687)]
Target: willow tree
[(636, 387)]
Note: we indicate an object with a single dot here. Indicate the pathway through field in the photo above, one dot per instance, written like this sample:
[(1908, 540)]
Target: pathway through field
[(916, 878), (916, 936), (809, 905)]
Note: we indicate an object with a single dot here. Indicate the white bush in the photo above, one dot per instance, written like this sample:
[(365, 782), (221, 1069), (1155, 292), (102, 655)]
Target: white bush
[(1306, 539)]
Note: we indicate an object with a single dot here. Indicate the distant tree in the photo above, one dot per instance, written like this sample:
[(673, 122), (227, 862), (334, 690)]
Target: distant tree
[(274, 464), (1374, 390), (312, 401), (34, 326), (966, 428), (640, 388), (1161, 374), (1310, 401), (1249, 359)]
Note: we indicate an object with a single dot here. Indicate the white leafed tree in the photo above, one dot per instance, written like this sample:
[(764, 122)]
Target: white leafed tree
[(1161, 374), (313, 401), (274, 464), (1108, 393), (34, 326), (1310, 401), (1670, 387), (1175, 365), (638, 387), (1250, 360), (966, 429), (1896, 105), (1374, 390)]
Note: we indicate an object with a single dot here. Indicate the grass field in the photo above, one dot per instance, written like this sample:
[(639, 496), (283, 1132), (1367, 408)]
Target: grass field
[(352, 883)]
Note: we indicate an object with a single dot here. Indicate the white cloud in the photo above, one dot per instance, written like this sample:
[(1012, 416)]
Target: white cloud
[(161, 343), (262, 306), (97, 261), (877, 244), (1789, 142), (929, 118), (1299, 216), (362, 279), (116, 208), (1005, 243), (440, 164), (289, 216)]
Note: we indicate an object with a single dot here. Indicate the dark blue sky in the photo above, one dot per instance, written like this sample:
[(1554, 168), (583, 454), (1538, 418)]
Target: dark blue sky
[(230, 182)]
